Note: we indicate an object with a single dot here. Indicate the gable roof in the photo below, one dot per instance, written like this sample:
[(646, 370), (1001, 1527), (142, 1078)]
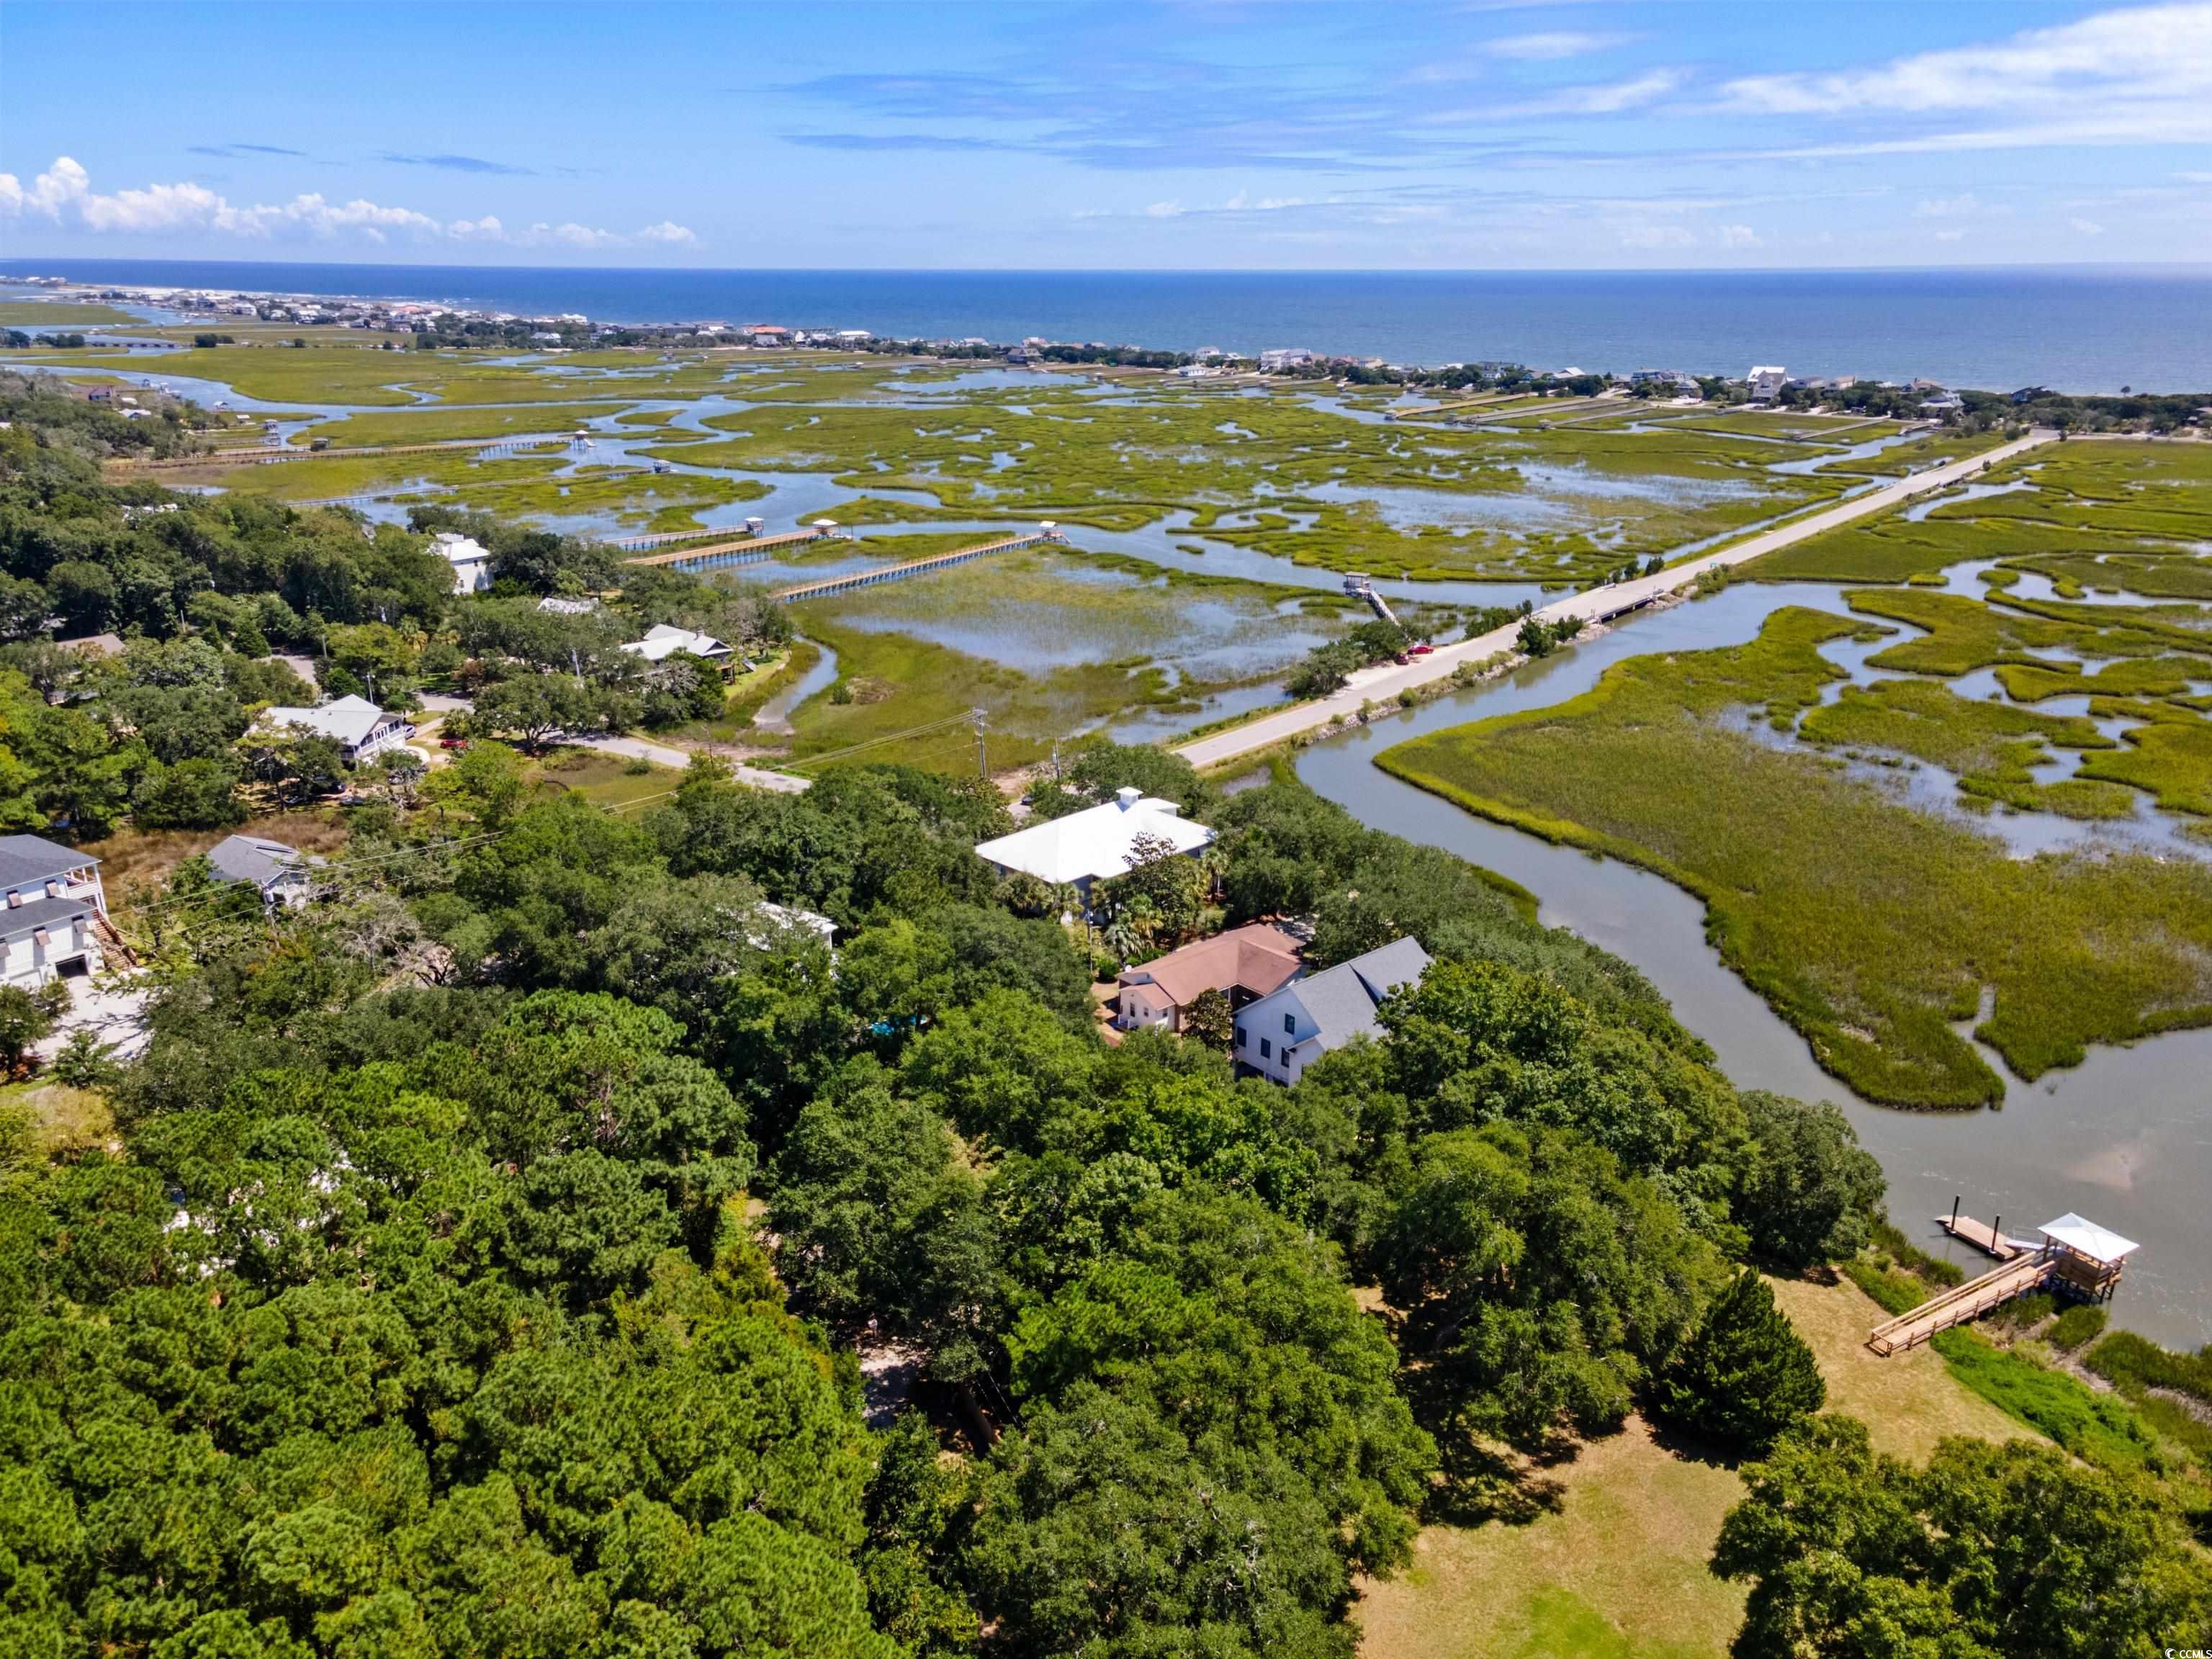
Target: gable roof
[(1096, 841), (662, 640), (1341, 1000), (249, 858), (349, 720), (33, 858), (1259, 956)]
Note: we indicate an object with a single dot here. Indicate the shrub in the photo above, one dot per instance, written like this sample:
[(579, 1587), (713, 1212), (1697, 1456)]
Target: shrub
[(2124, 1358), (1745, 1377), (2077, 1326)]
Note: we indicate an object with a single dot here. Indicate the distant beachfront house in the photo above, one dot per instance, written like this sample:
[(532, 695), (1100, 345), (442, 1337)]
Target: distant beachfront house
[(1280, 1035), (1766, 382), (1095, 844), (361, 729), (663, 641), (470, 559), (55, 904), (277, 872), (1273, 361), (1243, 963)]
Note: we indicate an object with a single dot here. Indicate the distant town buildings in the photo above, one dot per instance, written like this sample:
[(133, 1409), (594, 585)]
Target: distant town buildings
[(1278, 359)]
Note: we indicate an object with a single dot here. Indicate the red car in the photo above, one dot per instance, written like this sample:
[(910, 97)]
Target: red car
[(453, 742), (1420, 650)]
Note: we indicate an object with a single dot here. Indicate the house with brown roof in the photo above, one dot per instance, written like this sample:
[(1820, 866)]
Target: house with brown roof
[(1243, 963)]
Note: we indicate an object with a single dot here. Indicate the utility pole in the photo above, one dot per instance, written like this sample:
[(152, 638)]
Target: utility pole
[(980, 719)]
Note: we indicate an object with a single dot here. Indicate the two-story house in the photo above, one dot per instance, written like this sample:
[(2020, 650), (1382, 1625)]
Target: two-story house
[(1283, 1033), (55, 905)]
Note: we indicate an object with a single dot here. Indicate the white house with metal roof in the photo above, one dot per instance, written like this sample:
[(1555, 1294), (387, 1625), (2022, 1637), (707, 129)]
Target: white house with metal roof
[(1095, 844), (1281, 1034), (55, 904), (357, 726), (663, 641)]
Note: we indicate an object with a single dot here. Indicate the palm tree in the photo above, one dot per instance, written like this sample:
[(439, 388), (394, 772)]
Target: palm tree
[(1123, 938)]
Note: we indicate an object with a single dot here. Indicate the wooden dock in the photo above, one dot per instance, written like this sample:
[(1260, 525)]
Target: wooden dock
[(2077, 1258), (2028, 1270), (744, 551), (892, 573)]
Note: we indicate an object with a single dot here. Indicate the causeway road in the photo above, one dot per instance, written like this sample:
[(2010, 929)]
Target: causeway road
[(1384, 682)]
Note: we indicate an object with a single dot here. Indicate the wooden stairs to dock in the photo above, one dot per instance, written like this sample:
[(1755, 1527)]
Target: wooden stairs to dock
[(2022, 1271)]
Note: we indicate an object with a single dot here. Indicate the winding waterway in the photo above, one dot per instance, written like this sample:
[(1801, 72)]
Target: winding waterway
[(2125, 1139)]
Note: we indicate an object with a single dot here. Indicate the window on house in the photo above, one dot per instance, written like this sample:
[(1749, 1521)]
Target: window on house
[(1266, 1049), (1289, 1025), (1240, 1037)]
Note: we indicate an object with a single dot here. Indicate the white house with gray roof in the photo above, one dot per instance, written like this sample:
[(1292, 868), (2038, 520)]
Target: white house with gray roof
[(1281, 1034), (55, 905), (357, 726)]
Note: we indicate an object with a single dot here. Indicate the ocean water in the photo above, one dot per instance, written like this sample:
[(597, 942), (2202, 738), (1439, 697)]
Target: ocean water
[(2077, 329)]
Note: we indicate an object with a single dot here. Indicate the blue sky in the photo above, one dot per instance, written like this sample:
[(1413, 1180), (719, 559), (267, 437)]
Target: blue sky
[(1193, 136)]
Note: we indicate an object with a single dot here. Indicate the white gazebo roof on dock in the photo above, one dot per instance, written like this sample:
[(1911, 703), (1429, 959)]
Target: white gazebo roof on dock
[(2084, 1237)]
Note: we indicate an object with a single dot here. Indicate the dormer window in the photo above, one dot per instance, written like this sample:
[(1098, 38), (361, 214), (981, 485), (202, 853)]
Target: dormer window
[(53, 887), (14, 899)]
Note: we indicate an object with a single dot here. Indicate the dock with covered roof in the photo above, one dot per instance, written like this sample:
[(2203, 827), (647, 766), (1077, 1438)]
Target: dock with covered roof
[(2075, 1258)]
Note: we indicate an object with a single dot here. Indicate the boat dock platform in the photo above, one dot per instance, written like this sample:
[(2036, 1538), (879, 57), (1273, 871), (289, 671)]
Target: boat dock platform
[(2077, 1258)]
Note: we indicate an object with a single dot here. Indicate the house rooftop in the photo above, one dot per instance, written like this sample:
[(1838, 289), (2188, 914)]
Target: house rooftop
[(250, 857), (1095, 843), (33, 858), (1260, 957), (348, 720), (1342, 999)]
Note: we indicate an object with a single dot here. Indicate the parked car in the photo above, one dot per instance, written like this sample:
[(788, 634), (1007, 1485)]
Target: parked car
[(1420, 650)]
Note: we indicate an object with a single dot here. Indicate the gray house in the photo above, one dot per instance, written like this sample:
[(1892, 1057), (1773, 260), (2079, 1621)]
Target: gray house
[(1285, 1031), (55, 905), (279, 871)]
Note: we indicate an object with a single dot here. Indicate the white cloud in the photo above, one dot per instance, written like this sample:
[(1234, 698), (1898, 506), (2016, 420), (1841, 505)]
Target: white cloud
[(63, 195), (2088, 226), (2147, 53), (1950, 235), (1610, 98), (1739, 236), (1550, 44), (1656, 236), (1949, 207), (1164, 210)]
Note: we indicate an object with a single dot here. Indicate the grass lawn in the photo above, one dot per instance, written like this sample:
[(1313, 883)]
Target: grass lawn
[(607, 780), (1868, 924), (1617, 1568), (59, 317)]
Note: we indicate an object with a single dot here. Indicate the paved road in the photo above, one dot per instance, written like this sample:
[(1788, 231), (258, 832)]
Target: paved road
[(1383, 682)]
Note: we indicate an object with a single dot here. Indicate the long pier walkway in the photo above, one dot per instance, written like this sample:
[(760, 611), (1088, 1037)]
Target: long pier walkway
[(892, 573), (2027, 1270), (715, 555)]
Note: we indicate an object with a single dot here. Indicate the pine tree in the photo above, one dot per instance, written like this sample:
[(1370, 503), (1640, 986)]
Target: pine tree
[(1744, 1375)]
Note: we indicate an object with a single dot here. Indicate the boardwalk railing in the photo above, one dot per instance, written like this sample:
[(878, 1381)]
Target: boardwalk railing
[(2028, 1271), (743, 551), (891, 573)]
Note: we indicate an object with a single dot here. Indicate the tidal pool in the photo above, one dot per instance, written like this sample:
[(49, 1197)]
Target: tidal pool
[(2125, 1138)]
